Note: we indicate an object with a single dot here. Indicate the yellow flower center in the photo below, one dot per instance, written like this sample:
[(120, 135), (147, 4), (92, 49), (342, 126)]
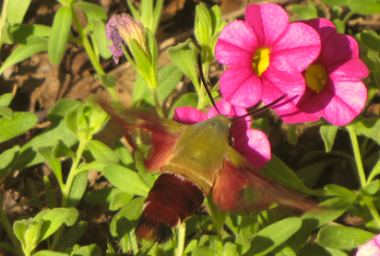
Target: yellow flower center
[(260, 61), (316, 77)]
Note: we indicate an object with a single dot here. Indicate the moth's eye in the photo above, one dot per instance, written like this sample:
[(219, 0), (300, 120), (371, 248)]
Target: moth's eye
[(231, 141)]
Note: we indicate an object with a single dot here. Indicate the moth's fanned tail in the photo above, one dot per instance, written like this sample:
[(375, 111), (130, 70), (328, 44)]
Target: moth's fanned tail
[(172, 199)]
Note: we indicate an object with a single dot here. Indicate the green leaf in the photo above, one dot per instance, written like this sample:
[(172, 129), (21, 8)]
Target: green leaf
[(6, 112), (92, 11), (60, 34), (102, 153), (6, 99), (61, 150), (292, 134), (22, 32), (337, 190), (314, 249), (274, 235), (33, 45), (71, 236), (203, 251), (188, 99), (305, 12), (279, 171), (88, 250), (372, 187), (335, 2), (168, 78), (6, 158), (310, 173), (77, 189), (95, 114), (344, 238), (375, 171), (123, 153), (19, 228), (99, 38), (54, 163), (108, 80), (21, 122), (50, 253), (325, 212), (143, 63), (58, 130), (328, 134), (52, 220), (369, 127), (131, 211), (32, 235), (16, 11), (366, 7), (202, 28), (126, 180), (6, 34), (184, 56)]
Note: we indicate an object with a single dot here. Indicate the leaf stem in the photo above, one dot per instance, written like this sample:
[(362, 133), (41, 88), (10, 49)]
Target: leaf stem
[(357, 155), (181, 239), (8, 228), (372, 208), (90, 52)]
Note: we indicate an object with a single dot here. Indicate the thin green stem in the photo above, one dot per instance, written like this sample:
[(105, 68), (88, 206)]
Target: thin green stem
[(3, 17), (373, 210), (66, 191), (90, 52), (8, 228), (160, 112), (181, 239), (347, 17), (357, 156)]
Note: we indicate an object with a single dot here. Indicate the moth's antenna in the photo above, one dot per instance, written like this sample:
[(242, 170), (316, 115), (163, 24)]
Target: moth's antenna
[(204, 82), (261, 109)]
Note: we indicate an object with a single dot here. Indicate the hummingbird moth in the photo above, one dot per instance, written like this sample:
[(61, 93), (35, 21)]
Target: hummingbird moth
[(198, 159)]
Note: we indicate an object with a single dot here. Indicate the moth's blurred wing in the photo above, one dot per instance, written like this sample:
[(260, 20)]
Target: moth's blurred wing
[(164, 132), (240, 186)]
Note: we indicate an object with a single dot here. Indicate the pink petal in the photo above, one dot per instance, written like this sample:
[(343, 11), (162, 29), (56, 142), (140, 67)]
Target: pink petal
[(325, 28), (354, 68), (339, 48), (268, 21), (307, 110), (255, 147), (296, 49), (371, 248), (236, 44), (240, 86), (226, 109), (348, 101), (276, 83), (188, 115)]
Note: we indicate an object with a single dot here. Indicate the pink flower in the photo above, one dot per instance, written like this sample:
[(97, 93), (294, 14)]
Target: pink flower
[(252, 144), (266, 56), (371, 248), (334, 90)]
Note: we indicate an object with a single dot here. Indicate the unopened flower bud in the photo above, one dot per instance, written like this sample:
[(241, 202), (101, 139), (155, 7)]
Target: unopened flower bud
[(121, 29)]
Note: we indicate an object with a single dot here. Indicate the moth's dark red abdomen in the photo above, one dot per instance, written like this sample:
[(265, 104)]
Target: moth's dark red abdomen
[(172, 199)]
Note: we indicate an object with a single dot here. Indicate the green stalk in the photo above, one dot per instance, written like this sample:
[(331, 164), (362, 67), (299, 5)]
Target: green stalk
[(160, 112), (181, 239), (90, 52), (65, 192), (357, 155), (373, 210), (3, 17), (8, 228)]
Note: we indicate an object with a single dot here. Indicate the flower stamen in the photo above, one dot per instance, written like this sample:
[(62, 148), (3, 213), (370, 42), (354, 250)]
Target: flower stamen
[(316, 77), (260, 61)]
